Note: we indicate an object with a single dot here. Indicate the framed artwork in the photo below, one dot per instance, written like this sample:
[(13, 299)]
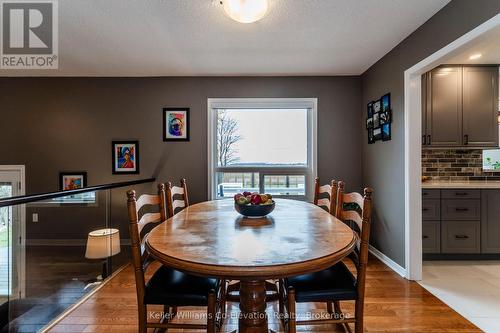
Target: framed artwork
[(386, 132), (385, 117), (72, 180), (377, 106), (376, 120), (369, 123), (175, 124), (379, 119), (386, 102), (371, 139), (369, 110), (125, 156)]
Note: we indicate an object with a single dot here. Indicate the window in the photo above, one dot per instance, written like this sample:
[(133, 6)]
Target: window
[(262, 145)]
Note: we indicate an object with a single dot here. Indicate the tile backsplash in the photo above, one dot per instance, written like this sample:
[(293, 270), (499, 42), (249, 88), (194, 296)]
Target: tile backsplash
[(455, 164)]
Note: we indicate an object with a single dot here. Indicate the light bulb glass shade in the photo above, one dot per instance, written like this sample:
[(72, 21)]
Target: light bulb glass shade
[(246, 11), (103, 243)]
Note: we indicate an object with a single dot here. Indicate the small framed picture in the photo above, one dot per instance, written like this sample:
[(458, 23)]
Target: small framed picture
[(377, 106), (369, 123), (72, 180), (377, 134), (175, 124), (386, 102), (369, 110), (376, 120), (371, 139), (385, 117), (125, 157), (386, 132)]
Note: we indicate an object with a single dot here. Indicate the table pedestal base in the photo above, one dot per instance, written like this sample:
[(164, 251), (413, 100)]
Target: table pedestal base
[(253, 318)]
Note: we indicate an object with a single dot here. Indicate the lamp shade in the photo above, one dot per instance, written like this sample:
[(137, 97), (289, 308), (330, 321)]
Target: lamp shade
[(103, 243)]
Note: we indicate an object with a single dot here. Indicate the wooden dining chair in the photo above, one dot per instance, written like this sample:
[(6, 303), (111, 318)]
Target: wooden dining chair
[(325, 196), (167, 287), (336, 283), (177, 197)]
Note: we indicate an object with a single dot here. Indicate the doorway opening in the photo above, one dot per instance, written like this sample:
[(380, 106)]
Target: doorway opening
[(458, 235), (12, 235)]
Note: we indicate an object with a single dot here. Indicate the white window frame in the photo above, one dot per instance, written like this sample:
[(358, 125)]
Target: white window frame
[(310, 171)]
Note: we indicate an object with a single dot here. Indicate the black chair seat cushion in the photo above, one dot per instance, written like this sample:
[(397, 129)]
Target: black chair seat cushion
[(333, 284), (171, 287)]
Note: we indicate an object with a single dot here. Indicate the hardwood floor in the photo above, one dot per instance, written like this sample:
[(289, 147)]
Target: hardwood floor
[(392, 304), (55, 279)]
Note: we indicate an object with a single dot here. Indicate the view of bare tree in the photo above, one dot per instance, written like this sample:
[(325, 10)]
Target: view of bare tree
[(227, 136)]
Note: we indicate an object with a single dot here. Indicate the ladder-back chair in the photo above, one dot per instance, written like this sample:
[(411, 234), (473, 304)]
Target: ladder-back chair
[(336, 283), (167, 287), (177, 197)]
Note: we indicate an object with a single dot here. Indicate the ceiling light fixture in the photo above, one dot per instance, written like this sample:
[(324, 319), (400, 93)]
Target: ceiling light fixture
[(475, 56), (245, 11)]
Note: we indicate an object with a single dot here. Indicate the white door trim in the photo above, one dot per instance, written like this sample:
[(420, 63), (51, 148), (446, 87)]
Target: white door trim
[(22, 228), (413, 147)]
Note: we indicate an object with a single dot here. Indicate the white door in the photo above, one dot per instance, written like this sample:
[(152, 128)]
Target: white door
[(12, 229)]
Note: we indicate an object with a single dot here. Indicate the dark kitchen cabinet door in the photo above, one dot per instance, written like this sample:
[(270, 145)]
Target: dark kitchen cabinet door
[(480, 106), (490, 221), (444, 107), (424, 94), (460, 237)]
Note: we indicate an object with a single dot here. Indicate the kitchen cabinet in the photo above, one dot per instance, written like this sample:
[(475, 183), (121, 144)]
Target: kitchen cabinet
[(461, 221), (480, 106), (460, 107), (490, 221), (460, 237), (431, 215)]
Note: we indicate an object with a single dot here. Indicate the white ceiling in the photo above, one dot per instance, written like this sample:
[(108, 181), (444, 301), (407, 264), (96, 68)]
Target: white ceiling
[(488, 45), (195, 37)]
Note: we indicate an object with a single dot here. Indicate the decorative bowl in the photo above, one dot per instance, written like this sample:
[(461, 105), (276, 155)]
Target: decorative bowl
[(254, 211)]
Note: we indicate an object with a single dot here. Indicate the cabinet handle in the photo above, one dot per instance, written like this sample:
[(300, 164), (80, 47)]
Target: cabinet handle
[(461, 193), (466, 139), (425, 209), (425, 237), (424, 141), (460, 209), (461, 236), (428, 139)]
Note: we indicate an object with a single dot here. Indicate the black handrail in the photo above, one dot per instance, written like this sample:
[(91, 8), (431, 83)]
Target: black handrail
[(22, 199)]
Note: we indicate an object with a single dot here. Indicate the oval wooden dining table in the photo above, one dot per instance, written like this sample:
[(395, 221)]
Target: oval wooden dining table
[(212, 239)]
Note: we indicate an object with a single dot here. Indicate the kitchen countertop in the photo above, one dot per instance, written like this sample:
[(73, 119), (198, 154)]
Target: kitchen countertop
[(462, 184)]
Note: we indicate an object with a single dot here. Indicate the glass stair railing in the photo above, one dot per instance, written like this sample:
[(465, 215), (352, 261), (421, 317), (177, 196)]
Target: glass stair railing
[(56, 248)]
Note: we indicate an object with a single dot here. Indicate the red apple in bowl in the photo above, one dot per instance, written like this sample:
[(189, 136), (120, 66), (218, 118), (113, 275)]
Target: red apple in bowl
[(256, 199)]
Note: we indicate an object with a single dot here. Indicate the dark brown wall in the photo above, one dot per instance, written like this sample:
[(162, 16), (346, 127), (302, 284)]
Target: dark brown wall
[(54, 124), (383, 163)]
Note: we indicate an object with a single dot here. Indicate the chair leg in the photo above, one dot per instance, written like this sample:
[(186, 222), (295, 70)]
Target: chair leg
[(336, 306), (358, 313), (223, 299), (211, 312), (329, 308), (142, 318), (292, 324), (281, 306)]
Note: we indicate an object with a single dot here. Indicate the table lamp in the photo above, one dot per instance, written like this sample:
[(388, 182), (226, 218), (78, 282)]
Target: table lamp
[(103, 244)]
